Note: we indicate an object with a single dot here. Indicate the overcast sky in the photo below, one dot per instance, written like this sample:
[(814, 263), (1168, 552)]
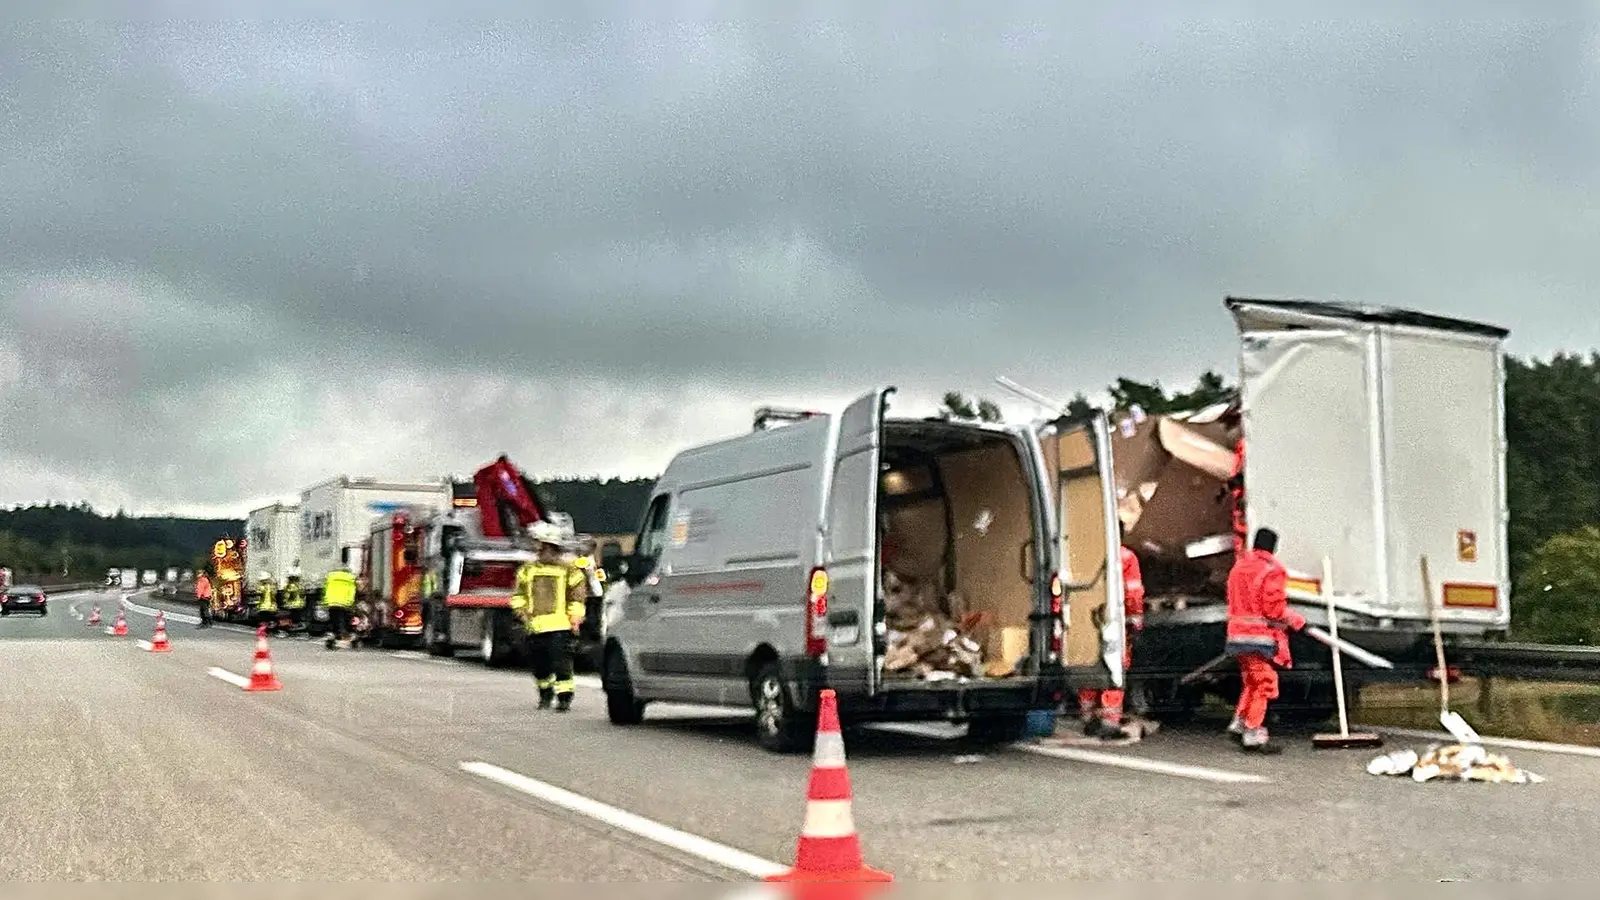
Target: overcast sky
[(235, 260)]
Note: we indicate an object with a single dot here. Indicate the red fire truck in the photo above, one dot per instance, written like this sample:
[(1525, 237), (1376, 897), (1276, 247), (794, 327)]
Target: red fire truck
[(443, 580)]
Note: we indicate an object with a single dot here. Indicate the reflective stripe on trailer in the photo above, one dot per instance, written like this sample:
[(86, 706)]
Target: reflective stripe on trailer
[(1465, 595)]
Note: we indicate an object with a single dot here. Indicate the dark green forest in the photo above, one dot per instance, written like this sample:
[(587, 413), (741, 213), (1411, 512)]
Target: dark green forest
[(1552, 473)]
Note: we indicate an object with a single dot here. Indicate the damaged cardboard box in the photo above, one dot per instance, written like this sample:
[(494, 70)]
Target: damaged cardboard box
[(1172, 496)]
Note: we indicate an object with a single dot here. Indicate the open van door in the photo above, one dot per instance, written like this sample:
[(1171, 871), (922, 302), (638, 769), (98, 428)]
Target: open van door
[(850, 548), (1089, 549)]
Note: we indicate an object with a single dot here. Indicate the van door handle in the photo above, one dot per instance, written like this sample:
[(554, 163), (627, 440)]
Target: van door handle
[(844, 618)]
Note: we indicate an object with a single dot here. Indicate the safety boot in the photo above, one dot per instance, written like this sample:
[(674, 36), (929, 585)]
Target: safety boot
[(545, 696), (564, 703), (1255, 740)]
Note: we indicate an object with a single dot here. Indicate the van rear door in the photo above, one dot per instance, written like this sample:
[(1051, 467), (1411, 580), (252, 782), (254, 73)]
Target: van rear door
[(850, 546), (1088, 549)]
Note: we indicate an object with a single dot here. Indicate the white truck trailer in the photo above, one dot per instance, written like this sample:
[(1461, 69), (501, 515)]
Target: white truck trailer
[(272, 543), (336, 520), (1372, 437)]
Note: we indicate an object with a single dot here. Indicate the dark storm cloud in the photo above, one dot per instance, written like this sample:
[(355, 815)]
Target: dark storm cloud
[(735, 208)]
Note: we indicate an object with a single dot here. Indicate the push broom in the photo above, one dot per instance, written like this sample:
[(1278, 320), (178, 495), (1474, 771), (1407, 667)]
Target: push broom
[(1344, 740)]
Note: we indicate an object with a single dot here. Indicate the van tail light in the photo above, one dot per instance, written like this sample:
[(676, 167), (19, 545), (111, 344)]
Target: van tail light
[(817, 613), (1057, 606)]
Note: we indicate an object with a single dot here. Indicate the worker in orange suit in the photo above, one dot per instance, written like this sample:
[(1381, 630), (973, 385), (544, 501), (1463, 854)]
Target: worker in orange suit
[(1259, 621), (1102, 709)]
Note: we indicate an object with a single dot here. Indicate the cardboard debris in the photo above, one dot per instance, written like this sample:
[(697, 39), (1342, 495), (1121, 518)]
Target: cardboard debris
[(932, 639), (1172, 497), (1452, 762)]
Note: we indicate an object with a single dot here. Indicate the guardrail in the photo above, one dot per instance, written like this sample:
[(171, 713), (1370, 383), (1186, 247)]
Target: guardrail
[(69, 588), (1541, 662)]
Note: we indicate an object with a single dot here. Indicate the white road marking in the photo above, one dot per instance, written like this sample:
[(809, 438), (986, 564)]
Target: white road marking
[(650, 830), (1508, 743), (231, 678), (1140, 764), (415, 656), (144, 644), (150, 612)]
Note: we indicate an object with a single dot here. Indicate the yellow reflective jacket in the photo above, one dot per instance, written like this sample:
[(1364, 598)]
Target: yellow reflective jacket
[(549, 596), (266, 600), (294, 597), (339, 590)]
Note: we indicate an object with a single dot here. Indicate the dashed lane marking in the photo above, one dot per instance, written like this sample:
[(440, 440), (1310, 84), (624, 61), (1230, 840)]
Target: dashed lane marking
[(649, 829), (232, 678), (1143, 764)]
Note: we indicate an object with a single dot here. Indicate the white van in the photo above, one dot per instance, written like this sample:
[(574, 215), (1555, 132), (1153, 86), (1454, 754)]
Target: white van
[(760, 575)]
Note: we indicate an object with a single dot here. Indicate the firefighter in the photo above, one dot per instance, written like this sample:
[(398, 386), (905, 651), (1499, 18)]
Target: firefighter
[(294, 599), (202, 596), (339, 597), (266, 607), (1259, 619), (1102, 709), (549, 599)]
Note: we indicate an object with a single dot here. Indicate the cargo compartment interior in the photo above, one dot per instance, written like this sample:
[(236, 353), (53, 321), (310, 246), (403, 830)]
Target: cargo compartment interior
[(956, 572)]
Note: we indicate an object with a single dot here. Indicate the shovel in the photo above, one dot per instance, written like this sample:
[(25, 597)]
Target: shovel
[(1344, 740)]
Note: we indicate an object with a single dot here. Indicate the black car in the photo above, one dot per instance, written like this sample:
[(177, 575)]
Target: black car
[(23, 598)]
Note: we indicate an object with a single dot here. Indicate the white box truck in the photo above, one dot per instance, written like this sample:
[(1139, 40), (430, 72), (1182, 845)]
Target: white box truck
[(336, 519), (272, 543), (1372, 437)]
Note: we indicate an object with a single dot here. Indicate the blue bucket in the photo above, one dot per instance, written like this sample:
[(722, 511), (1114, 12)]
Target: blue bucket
[(1041, 723)]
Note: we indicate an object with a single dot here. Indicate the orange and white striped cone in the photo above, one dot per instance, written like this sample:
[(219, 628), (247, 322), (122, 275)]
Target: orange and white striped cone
[(829, 848), (120, 626), (262, 677), (159, 643), (94, 615)]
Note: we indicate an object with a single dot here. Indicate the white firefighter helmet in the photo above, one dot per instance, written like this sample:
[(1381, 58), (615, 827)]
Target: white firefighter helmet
[(545, 533), (263, 575)]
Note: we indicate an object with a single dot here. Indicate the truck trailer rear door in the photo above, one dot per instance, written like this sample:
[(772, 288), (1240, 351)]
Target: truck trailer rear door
[(850, 547), (1089, 550)]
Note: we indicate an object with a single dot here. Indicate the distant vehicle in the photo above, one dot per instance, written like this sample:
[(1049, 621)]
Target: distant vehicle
[(172, 576), (148, 579), (23, 598), (129, 579)]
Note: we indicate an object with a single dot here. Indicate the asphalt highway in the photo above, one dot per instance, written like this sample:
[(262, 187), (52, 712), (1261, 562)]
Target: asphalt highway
[(120, 764)]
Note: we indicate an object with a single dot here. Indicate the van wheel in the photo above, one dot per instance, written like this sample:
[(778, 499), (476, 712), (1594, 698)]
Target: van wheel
[(780, 727), (622, 707), (992, 730)]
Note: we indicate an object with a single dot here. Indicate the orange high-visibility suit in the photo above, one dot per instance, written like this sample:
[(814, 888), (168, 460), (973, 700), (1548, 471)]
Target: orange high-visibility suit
[(1241, 530), (1258, 619), (1102, 709)]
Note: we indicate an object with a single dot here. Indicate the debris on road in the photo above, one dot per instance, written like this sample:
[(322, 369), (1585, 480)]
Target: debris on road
[(1134, 730), (1452, 762), (969, 759)]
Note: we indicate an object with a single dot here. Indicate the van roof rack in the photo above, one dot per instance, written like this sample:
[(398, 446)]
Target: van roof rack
[(768, 415)]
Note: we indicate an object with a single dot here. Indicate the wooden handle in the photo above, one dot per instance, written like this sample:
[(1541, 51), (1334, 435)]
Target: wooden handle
[(1438, 637)]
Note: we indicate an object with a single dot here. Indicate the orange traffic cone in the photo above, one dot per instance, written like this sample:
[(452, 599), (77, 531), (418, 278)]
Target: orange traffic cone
[(120, 626), (94, 615), (829, 849), (261, 675), (159, 643)]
